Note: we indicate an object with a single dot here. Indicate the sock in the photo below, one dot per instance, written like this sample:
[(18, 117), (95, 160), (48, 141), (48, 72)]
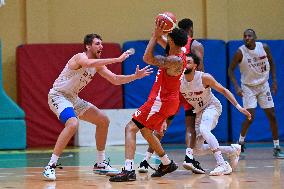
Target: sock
[(219, 158), (276, 143), (129, 164), (101, 156), (242, 139), (148, 156), (53, 159), (165, 160), (189, 153)]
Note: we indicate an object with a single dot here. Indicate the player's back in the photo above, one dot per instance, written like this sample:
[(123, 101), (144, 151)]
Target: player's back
[(166, 87)]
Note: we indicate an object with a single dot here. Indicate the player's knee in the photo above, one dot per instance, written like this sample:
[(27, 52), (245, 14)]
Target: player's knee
[(72, 124), (204, 131), (104, 121), (130, 128)]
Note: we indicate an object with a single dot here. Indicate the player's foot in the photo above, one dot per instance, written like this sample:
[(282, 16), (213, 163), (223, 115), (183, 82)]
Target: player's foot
[(143, 167), (124, 176), (49, 172), (193, 165), (242, 146), (277, 153), (235, 156), (164, 169), (104, 168), (224, 169)]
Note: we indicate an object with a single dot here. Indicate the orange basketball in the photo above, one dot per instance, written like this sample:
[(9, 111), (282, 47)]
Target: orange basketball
[(170, 20)]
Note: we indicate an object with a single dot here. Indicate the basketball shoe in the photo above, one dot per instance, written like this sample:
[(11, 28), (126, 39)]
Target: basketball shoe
[(277, 153), (49, 172), (124, 176), (144, 167), (224, 169), (193, 165), (164, 169), (104, 168), (235, 156)]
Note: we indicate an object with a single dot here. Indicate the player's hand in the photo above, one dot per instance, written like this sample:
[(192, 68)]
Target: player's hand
[(159, 28), (274, 87), (246, 113), (123, 56), (140, 73), (239, 92)]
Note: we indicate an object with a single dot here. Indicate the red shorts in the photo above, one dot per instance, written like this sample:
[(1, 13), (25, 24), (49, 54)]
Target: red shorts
[(153, 113)]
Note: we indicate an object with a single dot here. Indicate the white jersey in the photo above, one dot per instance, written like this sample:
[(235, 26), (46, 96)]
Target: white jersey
[(254, 66), (196, 95), (71, 82)]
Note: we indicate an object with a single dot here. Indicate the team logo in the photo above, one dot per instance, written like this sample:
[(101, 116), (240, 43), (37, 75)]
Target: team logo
[(137, 113)]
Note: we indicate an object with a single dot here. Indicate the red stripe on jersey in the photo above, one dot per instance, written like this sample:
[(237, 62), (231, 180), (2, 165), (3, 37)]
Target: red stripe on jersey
[(188, 45)]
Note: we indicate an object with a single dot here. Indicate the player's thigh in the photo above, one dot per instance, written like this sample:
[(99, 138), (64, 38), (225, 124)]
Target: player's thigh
[(90, 113), (209, 118), (249, 97), (264, 98)]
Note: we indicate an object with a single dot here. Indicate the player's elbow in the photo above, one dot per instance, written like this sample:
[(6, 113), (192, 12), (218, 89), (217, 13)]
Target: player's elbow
[(146, 58)]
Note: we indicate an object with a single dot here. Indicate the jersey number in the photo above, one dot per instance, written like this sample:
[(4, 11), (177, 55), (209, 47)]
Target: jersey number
[(263, 68), (200, 104)]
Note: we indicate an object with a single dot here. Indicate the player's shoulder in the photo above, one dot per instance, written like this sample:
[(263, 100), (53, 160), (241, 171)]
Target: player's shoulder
[(196, 43)]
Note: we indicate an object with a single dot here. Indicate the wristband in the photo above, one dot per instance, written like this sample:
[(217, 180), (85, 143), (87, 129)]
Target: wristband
[(238, 107)]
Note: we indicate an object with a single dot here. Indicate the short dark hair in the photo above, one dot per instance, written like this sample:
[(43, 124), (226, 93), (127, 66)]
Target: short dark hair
[(185, 24), (179, 37), (195, 58), (88, 39), (251, 30)]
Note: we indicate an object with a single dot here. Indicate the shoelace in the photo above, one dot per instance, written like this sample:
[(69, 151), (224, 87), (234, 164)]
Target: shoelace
[(56, 166), (107, 162)]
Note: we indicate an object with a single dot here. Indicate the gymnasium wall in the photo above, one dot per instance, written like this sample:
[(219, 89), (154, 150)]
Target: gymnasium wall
[(67, 21)]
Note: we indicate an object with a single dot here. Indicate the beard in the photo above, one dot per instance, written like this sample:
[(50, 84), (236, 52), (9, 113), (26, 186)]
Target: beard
[(188, 71), (167, 49)]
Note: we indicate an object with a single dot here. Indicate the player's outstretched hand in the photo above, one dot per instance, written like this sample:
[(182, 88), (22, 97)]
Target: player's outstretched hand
[(123, 56), (140, 73)]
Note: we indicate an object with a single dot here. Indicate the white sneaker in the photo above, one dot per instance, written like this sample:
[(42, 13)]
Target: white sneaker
[(224, 169), (104, 168), (235, 156), (49, 172)]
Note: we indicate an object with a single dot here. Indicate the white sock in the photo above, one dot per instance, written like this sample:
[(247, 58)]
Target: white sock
[(219, 158), (189, 153), (148, 156), (128, 165), (101, 156), (242, 139), (276, 143), (53, 159), (165, 160)]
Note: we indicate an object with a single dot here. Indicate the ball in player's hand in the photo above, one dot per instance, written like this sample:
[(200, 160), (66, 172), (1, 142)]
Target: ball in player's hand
[(169, 19)]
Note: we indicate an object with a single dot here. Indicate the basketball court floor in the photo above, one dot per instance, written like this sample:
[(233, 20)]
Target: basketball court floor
[(22, 169)]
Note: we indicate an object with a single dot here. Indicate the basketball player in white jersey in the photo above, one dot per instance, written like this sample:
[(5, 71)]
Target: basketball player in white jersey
[(196, 91), (64, 101), (255, 62)]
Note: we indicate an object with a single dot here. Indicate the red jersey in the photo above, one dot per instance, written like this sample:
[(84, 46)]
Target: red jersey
[(166, 87), (188, 45)]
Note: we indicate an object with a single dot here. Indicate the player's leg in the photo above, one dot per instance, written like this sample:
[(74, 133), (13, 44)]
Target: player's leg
[(65, 112), (128, 173), (92, 114), (144, 165), (265, 101), (249, 103)]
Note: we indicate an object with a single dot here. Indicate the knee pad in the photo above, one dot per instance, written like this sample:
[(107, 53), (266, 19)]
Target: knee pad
[(66, 114)]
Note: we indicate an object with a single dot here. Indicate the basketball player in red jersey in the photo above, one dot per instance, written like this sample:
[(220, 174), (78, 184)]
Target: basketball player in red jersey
[(194, 47), (162, 102)]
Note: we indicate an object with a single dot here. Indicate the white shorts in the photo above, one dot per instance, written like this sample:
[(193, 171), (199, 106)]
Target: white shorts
[(257, 94), (208, 117), (58, 102)]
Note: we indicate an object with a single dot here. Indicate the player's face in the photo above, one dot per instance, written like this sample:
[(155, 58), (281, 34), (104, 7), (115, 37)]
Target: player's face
[(96, 48), (249, 38), (190, 65)]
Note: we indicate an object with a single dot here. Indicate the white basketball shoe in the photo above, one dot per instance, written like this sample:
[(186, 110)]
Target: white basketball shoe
[(104, 168), (49, 172), (224, 169), (235, 156)]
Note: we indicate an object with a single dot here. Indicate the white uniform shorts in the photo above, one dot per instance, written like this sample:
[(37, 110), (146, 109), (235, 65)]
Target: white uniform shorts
[(257, 94), (207, 118), (58, 102)]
